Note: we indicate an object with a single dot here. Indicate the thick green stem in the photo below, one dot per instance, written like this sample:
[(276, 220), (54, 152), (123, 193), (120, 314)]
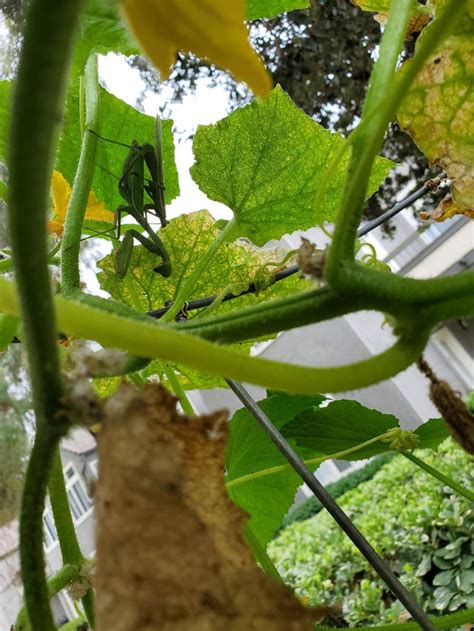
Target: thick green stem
[(428, 301), (179, 390), (31, 531), (70, 248), (187, 286), (262, 473), (390, 94), (390, 289), (367, 143), (66, 575), (273, 316), (152, 340), (440, 476), (70, 550), (37, 108)]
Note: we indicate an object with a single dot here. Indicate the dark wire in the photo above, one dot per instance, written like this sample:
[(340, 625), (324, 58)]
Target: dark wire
[(293, 269), (380, 566)]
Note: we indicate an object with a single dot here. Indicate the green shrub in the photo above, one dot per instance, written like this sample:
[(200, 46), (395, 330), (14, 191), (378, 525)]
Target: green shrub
[(419, 526), (312, 505)]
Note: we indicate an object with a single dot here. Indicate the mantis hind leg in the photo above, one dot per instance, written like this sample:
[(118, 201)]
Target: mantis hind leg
[(123, 253), (154, 246)]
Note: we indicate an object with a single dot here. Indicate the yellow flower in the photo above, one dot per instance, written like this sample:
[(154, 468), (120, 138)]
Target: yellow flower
[(61, 191), (212, 29)]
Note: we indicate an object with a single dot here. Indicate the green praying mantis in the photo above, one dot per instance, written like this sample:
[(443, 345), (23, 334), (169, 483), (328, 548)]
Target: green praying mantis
[(132, 187)]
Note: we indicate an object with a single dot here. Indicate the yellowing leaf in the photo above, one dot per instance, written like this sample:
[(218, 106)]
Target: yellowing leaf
[(419, 19), (211, 29), (61, 192), (438, 113)]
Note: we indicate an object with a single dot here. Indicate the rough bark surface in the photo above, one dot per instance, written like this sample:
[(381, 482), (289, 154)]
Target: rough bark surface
[(170, 552)]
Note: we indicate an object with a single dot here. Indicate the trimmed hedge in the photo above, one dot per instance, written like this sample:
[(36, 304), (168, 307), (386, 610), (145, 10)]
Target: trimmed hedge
[(312, 506), (421, 527)]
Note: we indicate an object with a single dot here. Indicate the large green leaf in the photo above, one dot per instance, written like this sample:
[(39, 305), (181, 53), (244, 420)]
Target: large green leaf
[(100, 31), (339, 426), (345, 424), (270, 8), (250, 450), (438, 112), (314, 432), (122, 123), (265, 161)]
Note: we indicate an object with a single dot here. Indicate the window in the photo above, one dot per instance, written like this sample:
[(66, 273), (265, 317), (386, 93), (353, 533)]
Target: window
[(49, 530), (78, 499)]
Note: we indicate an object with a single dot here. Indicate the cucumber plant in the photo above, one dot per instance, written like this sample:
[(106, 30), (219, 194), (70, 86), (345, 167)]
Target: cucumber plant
[(275, 168)]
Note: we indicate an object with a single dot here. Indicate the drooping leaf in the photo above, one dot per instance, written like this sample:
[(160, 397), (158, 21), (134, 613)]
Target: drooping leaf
[(339, 426), (210, 29), (419, 19), (270, 8), (250, 450), (122, 123), (265, 162), (119, 122), (438, 113)]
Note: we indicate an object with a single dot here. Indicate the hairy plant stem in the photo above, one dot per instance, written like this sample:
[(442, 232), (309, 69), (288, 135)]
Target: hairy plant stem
[(38, 102), (179, 390), (388, 97), (458, 488), (404, 298), (31, 531), (66, 575), (366, 146), (187, 286), (152, 340), (70, 247), (70, 549)]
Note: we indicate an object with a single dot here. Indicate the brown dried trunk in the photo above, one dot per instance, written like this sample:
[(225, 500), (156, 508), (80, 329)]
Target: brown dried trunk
[(170, 552)]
